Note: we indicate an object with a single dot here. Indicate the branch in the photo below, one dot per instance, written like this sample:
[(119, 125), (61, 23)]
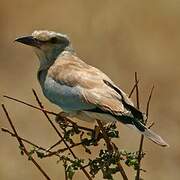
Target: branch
[(131, 92), (54, 145), (148, 104), (25, 140), (68, 123), (23, 148), (30, 105), (137, 91), (110, 148), (50, 153), (142, 136), (62, 150), (59, 134), (49, 112)]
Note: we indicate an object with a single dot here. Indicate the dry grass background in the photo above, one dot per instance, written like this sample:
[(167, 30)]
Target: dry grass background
[(119, 37)]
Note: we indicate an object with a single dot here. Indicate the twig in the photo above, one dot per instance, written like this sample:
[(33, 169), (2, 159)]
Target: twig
[(123, 174), (23, 139), (48, 112), (110, 148), (132, 90), (65, 165), (142, 136), (54, 145), (105, 136), (62, 150), (148, 103), (139, 158), (23, 148), (40, 104), (30, 105), (50, 153), (137, 91)]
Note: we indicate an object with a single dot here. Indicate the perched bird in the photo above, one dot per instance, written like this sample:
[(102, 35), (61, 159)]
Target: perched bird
[(81, 90)]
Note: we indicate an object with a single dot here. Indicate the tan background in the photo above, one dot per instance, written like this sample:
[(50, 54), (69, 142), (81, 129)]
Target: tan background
[(119, 37)]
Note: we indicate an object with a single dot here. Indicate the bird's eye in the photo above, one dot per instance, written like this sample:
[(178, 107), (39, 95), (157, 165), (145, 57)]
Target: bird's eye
[(53, 40)]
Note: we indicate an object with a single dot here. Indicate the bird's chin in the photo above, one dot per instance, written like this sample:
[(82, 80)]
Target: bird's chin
[(39, 52)]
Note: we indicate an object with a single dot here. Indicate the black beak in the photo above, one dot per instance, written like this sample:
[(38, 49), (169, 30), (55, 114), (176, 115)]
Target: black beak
[(29, 40)]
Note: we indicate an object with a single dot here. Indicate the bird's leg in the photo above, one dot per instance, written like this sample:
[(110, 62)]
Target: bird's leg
[(96, 132), (97, 129), (108, 125)]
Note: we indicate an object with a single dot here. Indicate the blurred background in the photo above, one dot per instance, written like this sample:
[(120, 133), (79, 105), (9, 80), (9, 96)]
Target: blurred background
[(119, 37)]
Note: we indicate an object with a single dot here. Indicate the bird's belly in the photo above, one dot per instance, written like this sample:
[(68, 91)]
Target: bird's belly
[(68, 98)]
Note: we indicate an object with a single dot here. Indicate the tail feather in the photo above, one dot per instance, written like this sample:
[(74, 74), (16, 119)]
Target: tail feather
[(131, 121), (154, 137), (148, 133)]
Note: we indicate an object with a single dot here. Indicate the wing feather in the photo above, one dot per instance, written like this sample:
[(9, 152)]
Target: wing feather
[(97, 89), (91, 82)]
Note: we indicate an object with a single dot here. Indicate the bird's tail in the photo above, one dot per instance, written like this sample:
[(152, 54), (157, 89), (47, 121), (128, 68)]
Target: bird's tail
[(154, 137), (136, 124)]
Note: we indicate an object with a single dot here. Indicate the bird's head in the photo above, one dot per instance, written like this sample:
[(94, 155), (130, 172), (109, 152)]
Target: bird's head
[(47, 44)]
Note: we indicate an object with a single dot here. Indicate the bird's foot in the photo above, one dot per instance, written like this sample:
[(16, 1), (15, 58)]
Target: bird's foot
[(61, 116)]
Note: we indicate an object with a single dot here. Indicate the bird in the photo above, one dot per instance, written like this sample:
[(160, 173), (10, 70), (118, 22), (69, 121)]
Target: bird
[(80, 89)]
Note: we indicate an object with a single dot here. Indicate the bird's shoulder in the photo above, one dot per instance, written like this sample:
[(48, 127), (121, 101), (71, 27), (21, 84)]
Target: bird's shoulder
[(71, 70)]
